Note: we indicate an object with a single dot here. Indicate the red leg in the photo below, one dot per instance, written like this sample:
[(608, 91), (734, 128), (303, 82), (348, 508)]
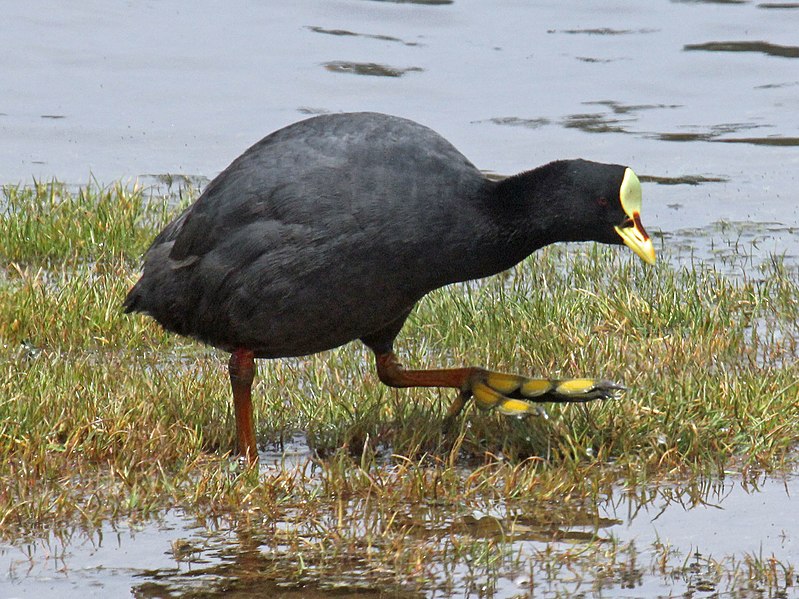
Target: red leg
[(510, 394), (391, 372), (242, 371)]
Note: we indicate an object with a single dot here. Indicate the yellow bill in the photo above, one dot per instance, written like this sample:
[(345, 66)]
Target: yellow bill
[(632, 232)]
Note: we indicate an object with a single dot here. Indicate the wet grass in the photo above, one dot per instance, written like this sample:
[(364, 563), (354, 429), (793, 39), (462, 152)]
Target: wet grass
[(104, 416)]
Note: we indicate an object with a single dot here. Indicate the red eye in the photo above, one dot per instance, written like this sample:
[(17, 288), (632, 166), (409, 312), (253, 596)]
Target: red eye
[(602, 201)]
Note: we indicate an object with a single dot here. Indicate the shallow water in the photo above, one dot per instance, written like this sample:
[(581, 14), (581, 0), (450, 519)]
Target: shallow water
[(673, 540), (700, 97)]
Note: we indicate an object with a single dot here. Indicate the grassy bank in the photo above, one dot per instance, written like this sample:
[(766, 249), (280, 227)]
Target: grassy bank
[(103, 415)]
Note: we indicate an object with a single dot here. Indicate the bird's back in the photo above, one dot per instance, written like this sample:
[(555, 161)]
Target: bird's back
[(320, 233)]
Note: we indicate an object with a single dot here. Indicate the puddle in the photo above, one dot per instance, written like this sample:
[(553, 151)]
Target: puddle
[(293, 453), (679, 538), (728, 517), (107, 563)]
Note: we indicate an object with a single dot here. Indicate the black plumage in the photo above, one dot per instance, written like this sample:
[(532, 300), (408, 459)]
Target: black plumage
[(331, 229)]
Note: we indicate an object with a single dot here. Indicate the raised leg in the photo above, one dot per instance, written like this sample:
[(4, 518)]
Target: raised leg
[(242, 371), (510, 394)]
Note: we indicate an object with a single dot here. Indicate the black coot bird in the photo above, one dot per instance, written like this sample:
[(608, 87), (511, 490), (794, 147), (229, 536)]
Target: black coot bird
[(332, 228)]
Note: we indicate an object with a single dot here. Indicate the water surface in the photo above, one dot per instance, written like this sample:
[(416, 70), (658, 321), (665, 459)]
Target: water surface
[(673, 540), (699, 94)]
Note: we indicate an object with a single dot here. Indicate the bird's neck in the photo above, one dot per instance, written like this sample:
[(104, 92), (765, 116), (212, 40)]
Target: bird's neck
[(526, 206)]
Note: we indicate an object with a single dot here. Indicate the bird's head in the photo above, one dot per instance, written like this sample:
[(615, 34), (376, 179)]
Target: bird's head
[(604, 204)]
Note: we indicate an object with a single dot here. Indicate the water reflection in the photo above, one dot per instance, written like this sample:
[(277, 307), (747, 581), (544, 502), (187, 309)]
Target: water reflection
[(663, 539)]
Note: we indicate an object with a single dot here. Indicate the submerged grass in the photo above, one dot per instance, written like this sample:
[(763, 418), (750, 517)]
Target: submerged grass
[(103, 415)]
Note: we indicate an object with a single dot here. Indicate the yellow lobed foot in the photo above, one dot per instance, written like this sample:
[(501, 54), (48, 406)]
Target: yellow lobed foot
[(507, 393)]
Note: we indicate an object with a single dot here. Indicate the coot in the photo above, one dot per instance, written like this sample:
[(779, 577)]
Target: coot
[(332, 228)]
